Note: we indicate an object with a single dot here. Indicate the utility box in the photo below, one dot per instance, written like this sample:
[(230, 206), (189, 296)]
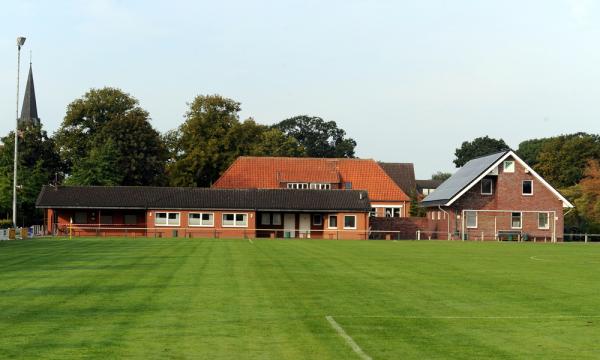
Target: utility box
[(24, 233), (12, 234)]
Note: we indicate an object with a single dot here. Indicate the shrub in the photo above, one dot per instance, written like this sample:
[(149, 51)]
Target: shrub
[(5, 223)]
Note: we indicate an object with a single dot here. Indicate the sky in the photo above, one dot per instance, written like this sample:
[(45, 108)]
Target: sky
[(408, 80)]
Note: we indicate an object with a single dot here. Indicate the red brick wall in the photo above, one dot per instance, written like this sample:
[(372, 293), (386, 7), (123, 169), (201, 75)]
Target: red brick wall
[(397, 228), (506, 195)]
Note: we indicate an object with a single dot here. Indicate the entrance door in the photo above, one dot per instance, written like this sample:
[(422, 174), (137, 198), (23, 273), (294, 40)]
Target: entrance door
[(304, 225), (289, 225)]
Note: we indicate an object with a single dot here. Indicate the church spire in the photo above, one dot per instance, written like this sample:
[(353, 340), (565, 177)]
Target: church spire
[(29, 115)]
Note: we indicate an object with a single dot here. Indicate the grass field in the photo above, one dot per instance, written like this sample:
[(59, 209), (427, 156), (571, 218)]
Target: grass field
[(266, 299)]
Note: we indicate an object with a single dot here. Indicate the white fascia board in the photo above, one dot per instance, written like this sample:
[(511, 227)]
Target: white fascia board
[(566, 203)]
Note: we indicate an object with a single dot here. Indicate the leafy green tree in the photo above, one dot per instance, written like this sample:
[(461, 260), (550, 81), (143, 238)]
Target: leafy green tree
[(319, 138), (529, 150), (562, 160), (441, 175), (480, 146), (39, 164), (585, 217), (212, 137), (98, 168), (109, 114)]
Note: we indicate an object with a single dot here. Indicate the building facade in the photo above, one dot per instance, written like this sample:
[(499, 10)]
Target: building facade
[(205, 213), (496, 197)]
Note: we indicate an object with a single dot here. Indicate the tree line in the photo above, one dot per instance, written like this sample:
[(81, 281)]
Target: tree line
[(106, 138)]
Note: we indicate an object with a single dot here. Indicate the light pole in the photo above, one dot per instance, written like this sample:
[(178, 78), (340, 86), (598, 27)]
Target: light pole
[(20, 42)]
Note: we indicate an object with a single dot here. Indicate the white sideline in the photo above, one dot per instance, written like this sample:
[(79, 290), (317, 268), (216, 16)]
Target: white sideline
[(250, 241), (535, 258), (348, 339), (539, 317)]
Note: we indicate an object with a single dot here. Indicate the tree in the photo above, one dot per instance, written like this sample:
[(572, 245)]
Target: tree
[(529, 150), (98, 168), (39, 164), (585, 217), (562, 160), (212, 137), (441, 175), (104, 115), (478, 147), (319, 138)]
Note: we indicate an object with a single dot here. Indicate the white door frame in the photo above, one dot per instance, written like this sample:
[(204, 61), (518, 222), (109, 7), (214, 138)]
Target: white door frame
[(304, 226), (289, 224)]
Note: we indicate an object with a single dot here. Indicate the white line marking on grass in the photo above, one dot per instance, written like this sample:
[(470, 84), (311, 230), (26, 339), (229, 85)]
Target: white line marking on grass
[(250, 241), (536, 258), (348, 339), (540, 317)]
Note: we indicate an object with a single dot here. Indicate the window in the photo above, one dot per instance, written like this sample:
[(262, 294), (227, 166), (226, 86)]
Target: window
[(433, 215), (486, 186), (106, 220), (544, 220), (527, 187), (201, 219), (166, 218), (350, 222), (265, 219), (392, 212), (509, 166), (235, 220), (80, 218), (471, 219), (276, 219), (130, 219), (373, 212), (297, 185), (317, 219), (332, 222), (515, 221), (319, 186), (348, 185)]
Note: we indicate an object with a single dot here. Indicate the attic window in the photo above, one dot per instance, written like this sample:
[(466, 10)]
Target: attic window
[(509, 166), (348, 185), (527, 187), (486, 187)]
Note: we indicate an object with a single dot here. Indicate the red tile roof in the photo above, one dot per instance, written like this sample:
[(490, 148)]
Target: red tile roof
[(248, 172)]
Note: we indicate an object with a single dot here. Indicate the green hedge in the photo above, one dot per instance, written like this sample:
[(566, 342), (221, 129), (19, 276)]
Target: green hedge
[(5, 224)]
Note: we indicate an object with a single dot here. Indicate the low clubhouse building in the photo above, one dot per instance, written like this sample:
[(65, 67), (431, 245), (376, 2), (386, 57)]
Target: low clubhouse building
[(201, 212)]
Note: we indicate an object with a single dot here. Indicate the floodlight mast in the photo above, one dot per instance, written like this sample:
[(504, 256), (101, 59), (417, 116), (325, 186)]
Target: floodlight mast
[(20, 43)]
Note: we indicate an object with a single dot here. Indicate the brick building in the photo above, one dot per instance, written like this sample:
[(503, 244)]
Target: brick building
[(496, 197), (387, 198), (208, 213)]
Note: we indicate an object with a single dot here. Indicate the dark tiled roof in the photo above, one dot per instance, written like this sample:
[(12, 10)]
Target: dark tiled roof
[(134, 197), (429, 184), (403, 175), (461, 179)]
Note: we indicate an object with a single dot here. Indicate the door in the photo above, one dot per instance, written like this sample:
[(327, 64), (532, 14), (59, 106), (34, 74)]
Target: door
[(289, 225), (304, 225)]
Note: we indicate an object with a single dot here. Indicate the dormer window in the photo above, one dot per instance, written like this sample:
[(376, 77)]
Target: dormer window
[(486, 187), (320, 186), (297, 185), (509, 166)]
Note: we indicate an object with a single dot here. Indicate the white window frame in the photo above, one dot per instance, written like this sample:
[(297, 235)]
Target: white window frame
[(350, 227), (314, 219), (439, 215), (167, 213), (329, 222), (297, 185), (547, 227), (467, 219), (373, 212), (320, 186), (520, 220), (509, 169), (491, 186), (235, 221), (201, 220), (522, 184)]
